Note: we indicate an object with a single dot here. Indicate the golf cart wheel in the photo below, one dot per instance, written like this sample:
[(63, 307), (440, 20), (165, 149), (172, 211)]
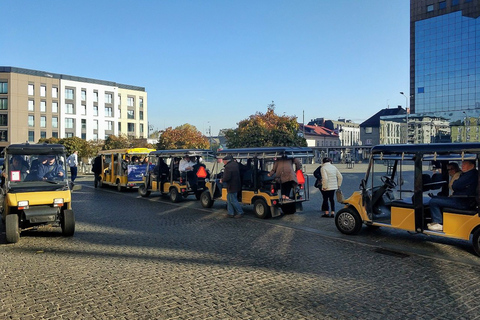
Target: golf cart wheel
[(120, 188), (206, 199), (261, 209), (175, 196), (476, 241), (348, 221), (68, 223), (289, 208), (12, 232), (143, 191)]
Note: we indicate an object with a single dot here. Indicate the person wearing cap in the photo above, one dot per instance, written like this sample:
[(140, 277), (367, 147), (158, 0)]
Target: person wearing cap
[(48, 169), (231, 177)]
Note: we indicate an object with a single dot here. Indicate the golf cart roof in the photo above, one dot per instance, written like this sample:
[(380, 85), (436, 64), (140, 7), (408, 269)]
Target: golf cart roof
[(129, 151), (181, 153), (267, 152), (27, 148), (431, 151)]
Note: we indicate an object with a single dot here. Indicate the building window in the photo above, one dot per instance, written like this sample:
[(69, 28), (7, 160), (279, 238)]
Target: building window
[(442, 5), (141, 127), (430, 8), (108, 111), (54, 92), (68, 134), (3, 119), (31, 136), (109, 125), (368, 129), (31, 90), (84, 95), (454, 2), (95, 125), (84, 136), (54, 107), (84, 124), (69, 108), (140, 101), (95, 96), (3, 135), (54, 122), (130, 127), (95, 110), (43, 135), (3, 104), (31, 121), (43, 91), (4, 87), (119, 100), (119, 127), (43, 106), (95, 136), (54, 134), (119, 113), (69, 123), (31, 105), (43, 122), (141, 115), (130, 102), (69, 94), (421, 90), (108, 98), (84, 109), (130, 114)]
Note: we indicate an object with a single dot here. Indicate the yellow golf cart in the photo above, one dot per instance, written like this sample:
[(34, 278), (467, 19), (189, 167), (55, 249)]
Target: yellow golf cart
[(163, 174), (257, 187), (123, 168), (35, 191), (399, 184)]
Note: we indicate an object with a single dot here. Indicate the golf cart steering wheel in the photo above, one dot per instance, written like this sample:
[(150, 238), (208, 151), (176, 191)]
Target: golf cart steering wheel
[(388, 182)]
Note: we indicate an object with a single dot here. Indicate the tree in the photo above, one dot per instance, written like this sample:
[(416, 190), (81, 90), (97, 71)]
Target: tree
[(51, 140), (185, 136), (72, 144), (116, 142), (265, 130)]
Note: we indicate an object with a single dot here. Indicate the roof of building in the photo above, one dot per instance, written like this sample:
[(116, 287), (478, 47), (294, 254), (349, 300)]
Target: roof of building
[(318, 130), (67, 77), (374, 121)]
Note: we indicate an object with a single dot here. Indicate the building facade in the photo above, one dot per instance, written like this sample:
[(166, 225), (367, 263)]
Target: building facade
[(36, 104), (445, 60)]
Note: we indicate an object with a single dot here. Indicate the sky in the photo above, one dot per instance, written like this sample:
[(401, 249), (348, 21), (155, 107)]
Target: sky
[(214, 63)]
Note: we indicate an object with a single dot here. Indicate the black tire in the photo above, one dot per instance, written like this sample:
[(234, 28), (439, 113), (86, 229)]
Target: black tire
[(12, 231), (198, 194), (261, 209), (120, 188), (348, 221), (476, 241), (175, 196), (289, 208), (206, 199), (68, 223), (143, 191)]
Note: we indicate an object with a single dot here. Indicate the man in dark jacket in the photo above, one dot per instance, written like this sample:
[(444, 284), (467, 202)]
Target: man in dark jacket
[(231, 177), (97, 169)]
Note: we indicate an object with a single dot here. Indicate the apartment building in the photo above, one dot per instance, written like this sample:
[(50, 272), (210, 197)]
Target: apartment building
[(37, 104)]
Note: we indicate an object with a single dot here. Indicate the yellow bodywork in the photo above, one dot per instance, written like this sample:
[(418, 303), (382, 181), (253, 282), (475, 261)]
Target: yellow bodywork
[(37, 199)]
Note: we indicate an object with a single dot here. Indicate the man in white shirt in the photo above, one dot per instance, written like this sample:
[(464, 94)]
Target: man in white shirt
[(72, 162), (186, 170)]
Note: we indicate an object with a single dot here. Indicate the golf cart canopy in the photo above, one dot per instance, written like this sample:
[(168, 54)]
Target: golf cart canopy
[(267, 153)]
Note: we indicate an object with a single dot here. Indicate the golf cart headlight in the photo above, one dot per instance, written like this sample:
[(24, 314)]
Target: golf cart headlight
[(58, 202), (22, 205)]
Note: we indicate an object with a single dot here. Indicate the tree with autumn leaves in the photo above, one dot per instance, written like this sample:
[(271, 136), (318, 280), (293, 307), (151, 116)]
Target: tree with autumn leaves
[(185, 136), (265, 130)]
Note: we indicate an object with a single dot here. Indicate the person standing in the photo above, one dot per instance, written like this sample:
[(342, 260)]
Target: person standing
[(72, 162), (97, 169), (284, 173), (231, 176), (331, 181)]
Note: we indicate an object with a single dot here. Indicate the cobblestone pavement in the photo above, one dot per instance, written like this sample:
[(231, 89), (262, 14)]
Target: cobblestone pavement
[(146, 258)]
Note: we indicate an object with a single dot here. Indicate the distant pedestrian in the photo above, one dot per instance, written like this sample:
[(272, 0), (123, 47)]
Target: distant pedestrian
[(97, 169), (331, 181), (72, 162), (231, 176)]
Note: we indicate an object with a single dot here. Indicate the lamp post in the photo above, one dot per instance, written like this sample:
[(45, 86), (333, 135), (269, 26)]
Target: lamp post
[(406, 107)]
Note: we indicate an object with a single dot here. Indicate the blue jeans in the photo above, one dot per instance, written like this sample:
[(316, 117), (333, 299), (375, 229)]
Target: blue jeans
[(233, 204), (73, 172), (438, 203)]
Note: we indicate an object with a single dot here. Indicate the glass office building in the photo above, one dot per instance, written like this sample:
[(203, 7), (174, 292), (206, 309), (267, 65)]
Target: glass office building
[(445, 63)]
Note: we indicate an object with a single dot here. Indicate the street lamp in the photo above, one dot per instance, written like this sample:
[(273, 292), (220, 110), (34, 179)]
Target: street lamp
[(406, 107)]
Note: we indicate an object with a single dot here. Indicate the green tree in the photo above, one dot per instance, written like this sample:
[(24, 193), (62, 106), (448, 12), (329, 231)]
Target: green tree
[(116, 142), (265, 130), (51, 140), (74, 143), (185, 136)]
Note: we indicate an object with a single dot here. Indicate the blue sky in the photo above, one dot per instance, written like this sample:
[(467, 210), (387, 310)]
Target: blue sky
[(213, 63)]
